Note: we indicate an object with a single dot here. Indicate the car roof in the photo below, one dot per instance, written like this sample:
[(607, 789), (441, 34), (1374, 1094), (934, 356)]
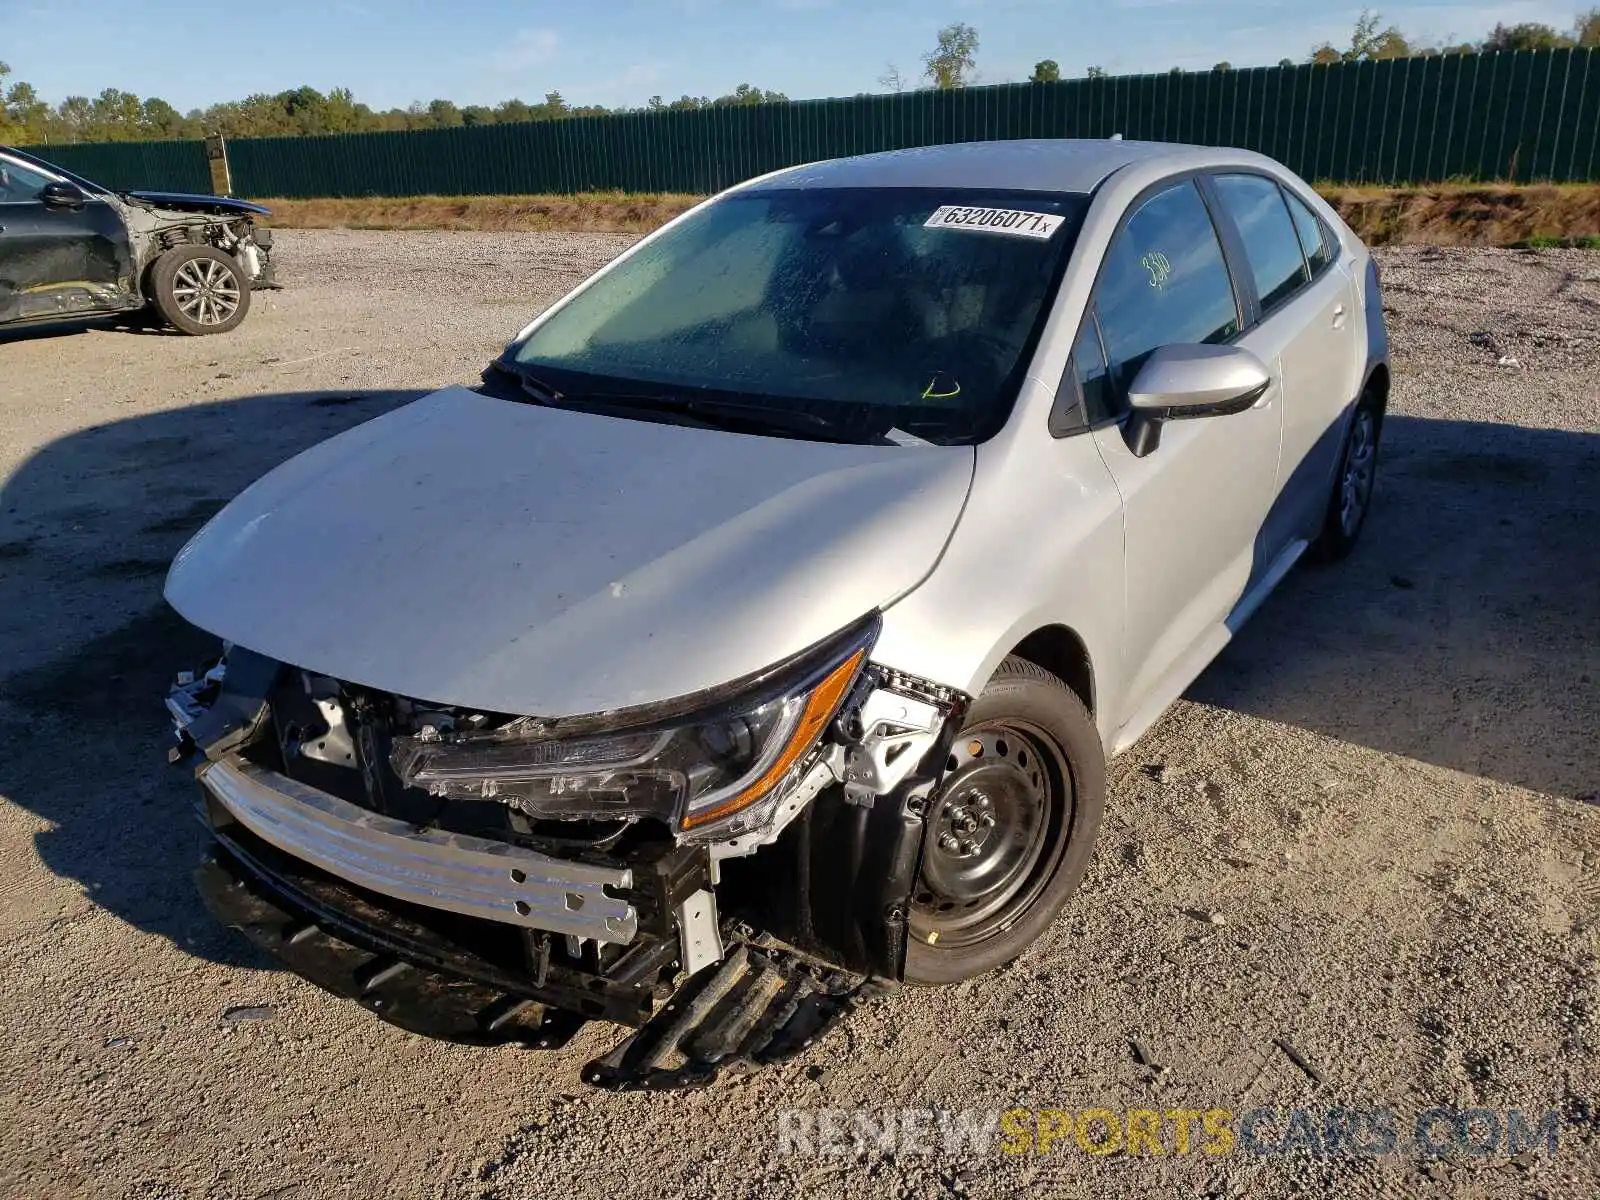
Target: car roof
[(1023, 164)]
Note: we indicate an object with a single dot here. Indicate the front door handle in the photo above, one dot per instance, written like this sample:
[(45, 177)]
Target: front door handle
[(1338, 316)]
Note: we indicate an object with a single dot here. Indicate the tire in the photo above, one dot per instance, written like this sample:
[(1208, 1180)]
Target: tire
[(1028, 747), (200, 290), (1342, 525)]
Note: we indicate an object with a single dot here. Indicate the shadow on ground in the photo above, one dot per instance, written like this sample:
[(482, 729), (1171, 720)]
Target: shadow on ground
[(139, 321), (1463, 630), (1461, 633), (87, 647)]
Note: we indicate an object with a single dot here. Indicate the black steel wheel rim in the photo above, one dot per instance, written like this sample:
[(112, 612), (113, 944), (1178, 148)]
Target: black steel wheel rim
[(996, 830)]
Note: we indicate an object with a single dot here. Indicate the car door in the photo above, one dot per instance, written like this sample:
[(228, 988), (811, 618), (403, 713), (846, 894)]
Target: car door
[(1308, 312), (1193, 509), (65, 256)]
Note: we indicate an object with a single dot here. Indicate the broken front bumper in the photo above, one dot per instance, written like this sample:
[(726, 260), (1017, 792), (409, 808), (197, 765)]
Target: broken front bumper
[(471, 876), (761, 1003), (445, 931), (397, 970)]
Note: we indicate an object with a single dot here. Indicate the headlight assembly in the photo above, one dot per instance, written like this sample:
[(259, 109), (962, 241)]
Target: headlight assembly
[(712, 767)]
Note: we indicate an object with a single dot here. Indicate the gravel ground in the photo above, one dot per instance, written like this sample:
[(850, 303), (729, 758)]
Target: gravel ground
[(1368, 831)]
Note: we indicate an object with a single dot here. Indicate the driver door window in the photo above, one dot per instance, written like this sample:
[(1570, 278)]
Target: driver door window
[(1164, 282), (19, 184)]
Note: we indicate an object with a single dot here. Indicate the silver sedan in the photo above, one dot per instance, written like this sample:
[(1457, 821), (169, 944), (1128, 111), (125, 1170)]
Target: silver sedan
[(790, 581)]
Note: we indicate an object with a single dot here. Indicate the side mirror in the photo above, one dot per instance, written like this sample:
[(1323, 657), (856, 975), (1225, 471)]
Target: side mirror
[(62, 195), (1177, 383)]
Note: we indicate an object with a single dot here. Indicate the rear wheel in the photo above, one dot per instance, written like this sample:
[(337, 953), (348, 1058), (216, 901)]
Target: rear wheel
[(199, 289), (1011, 828), (1352, 485)]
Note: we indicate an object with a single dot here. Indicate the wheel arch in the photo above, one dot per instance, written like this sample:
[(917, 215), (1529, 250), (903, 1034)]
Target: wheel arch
[(1060, 650), (1377, 382), (1376, 377)]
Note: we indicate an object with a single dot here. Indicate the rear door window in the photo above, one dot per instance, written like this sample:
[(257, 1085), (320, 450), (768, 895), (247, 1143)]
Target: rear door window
[(1313, 237), (1271, 243), (1164, 283)]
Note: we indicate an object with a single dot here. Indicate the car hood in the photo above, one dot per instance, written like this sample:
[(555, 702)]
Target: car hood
[(189, 202), (479, 552)]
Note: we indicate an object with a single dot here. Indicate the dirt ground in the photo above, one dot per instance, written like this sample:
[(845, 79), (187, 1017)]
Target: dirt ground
[(1370, 830)]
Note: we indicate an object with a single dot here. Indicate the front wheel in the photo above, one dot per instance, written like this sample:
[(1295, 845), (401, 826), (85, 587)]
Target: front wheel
[(199, 289), (1010, 830)]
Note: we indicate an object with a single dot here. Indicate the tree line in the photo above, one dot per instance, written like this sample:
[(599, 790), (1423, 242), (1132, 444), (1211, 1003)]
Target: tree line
[(1368, 40), (118, 116), (1372, 39)]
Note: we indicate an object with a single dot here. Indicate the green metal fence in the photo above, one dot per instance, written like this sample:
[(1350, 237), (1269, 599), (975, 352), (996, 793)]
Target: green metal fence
[(1531, 115), (165, 166)]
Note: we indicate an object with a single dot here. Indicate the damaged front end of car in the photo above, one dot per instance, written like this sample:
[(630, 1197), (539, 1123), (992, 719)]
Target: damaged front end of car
[(727, 874), (159, 222)]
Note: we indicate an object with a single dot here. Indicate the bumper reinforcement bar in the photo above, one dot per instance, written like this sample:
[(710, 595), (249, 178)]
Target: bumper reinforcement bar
[(472, 876)]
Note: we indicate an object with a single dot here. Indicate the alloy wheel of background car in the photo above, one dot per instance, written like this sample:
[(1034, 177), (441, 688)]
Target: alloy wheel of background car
[(1010, 830), (206, 291), (200, 289)]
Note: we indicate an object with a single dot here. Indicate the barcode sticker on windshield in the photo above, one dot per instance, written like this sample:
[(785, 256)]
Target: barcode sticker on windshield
[(1011, 221)]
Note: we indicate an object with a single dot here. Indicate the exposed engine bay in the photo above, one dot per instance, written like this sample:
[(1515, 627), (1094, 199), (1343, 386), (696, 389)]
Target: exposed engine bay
[(157, 222), (717, 874)]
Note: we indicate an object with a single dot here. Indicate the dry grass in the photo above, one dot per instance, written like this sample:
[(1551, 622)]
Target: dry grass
[(1446, 214), (1470, 214), (584, 212)]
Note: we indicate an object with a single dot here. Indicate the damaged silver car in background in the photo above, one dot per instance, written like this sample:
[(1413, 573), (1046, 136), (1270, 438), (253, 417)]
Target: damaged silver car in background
[(71, 248), (753, 638)]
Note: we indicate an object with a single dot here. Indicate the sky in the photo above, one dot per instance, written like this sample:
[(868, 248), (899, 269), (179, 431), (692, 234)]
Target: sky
[(621, 52)]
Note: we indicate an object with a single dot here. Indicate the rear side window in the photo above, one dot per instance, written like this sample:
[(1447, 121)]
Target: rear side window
[(1164, 283), (1313, 240), (1271, 243)]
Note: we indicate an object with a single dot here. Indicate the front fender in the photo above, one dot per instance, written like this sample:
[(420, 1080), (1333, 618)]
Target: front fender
[(1039, 543)]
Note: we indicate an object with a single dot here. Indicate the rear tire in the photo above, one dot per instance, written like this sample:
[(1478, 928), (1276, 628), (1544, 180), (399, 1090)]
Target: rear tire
[(200, 290), (1351, 498), (1010, 829)]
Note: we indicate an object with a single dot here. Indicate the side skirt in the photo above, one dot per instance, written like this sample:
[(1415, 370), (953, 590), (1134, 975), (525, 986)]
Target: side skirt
[(1210, 643)]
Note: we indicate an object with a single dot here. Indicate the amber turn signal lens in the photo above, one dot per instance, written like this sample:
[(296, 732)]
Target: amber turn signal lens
[(820, 706)]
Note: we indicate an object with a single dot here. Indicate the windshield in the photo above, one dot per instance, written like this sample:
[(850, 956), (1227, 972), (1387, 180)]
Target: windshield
[(864, 310)]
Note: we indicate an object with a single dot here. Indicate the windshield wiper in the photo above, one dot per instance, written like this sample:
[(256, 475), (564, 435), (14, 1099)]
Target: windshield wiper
[(733, 415), (532, 386)]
